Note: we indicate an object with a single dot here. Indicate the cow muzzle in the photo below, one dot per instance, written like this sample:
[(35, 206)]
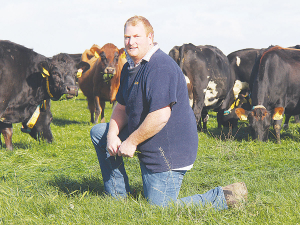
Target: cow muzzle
[(110, 70), (71, 91)]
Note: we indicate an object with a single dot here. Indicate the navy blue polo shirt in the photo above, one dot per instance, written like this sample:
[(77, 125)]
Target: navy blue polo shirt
[(151, 86)]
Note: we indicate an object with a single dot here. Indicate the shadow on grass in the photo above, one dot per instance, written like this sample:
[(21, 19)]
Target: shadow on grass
[(93, 185), (242, 132), (69, 186), (63, 122)]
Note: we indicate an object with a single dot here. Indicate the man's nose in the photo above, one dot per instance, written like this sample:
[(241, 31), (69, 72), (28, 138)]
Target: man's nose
[(131, 40)]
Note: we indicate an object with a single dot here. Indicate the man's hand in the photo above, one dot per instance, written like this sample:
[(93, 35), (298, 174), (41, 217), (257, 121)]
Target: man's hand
[(113, 144), (127, 149)]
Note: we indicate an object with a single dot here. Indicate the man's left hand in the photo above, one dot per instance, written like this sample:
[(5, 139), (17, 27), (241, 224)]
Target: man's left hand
[(127, 149)]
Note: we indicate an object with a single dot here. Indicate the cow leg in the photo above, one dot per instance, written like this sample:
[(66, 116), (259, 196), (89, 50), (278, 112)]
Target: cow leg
[(97, 108), (102, 106), (220, 118), (286, 122), (7, 134), (91, 106), (204, 116), (277, 128), (197, 108)]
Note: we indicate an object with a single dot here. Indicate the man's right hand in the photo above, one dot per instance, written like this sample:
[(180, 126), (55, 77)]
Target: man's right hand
[(113, 144)]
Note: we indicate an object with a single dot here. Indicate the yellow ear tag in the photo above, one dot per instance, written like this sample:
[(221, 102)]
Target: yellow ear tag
[(232, 106), (45, 73), (243, 117), (96, 55), (123, 56), (34, 118), (79, 73), (277, 116)]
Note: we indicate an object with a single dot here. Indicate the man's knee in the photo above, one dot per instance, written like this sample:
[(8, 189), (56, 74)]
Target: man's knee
[(98, 131)]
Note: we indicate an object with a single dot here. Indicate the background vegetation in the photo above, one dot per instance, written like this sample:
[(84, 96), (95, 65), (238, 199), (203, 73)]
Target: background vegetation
[(60, 183)]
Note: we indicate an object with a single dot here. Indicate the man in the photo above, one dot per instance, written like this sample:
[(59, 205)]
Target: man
[(153, 119)]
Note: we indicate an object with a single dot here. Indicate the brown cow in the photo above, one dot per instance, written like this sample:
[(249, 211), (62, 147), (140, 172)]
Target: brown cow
[(101, 82)]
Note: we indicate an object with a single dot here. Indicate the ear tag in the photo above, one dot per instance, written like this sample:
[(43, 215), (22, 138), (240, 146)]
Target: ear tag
[(45, 73), (243, 117), (79, 73), (123, 56), (277, 116), (232, 106), (97, 55)]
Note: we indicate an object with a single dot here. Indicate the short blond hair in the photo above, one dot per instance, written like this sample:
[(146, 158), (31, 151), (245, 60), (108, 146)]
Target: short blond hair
[(133, 21)]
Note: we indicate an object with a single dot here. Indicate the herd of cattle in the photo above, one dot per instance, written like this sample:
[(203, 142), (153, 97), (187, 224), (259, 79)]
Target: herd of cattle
[(259, 85)]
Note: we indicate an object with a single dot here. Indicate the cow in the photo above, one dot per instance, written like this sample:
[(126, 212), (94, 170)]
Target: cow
[(241, 63), (36, 78), (208, 76), (40, 129), (101, 82), (275, 91)]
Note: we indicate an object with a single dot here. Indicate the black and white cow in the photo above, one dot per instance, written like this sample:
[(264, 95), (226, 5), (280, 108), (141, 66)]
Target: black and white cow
[(242, 63), (27, 78), (275, 91), (208, 77)]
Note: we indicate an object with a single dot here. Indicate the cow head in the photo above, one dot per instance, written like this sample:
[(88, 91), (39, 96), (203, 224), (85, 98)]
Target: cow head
[(53, 80), (68, 67), (108, 61), (260, 120), (174, 53)]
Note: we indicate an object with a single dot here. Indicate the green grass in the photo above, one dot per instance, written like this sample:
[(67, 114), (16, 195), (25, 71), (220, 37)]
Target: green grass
[(61, 183)]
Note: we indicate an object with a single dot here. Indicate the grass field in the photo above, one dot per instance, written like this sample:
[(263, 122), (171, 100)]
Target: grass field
[(60, 183)]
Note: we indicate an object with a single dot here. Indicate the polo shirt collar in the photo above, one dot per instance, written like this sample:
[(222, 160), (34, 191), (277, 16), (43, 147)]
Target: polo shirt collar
[(146, 57)]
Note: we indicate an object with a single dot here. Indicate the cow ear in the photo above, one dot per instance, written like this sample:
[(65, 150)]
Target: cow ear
[(241, 113), (95, 49), (122, 53), (278, 113), (44, 68), (83, 65)]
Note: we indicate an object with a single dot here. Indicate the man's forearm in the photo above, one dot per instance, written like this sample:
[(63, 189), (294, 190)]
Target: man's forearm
[(153, 123), (118, 120)]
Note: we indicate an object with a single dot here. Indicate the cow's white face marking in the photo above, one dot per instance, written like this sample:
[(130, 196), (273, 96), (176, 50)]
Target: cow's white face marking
[(238, 61), (210, 92), (238, 86)]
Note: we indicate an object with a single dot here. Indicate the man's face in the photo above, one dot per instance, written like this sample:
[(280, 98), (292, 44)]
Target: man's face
[(137, 43)]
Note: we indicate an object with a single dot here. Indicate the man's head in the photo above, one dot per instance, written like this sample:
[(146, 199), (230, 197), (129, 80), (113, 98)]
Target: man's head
[(138, 37)]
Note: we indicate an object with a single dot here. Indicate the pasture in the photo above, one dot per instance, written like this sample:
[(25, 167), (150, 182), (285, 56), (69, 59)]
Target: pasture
[(60, 183)]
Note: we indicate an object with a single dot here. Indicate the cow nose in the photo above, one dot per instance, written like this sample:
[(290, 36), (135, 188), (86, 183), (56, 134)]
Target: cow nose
[(110, 70), (72, 90)]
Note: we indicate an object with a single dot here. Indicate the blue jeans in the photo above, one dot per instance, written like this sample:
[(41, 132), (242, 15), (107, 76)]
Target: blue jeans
[(159, 188)]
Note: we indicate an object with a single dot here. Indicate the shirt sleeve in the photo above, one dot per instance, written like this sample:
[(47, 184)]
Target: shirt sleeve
[(161, 89), (119, 97)]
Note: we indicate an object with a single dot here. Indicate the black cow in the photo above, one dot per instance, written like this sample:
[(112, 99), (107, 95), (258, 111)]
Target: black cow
[(208, 77), (33, 78), (241, 63), (275, 91)]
